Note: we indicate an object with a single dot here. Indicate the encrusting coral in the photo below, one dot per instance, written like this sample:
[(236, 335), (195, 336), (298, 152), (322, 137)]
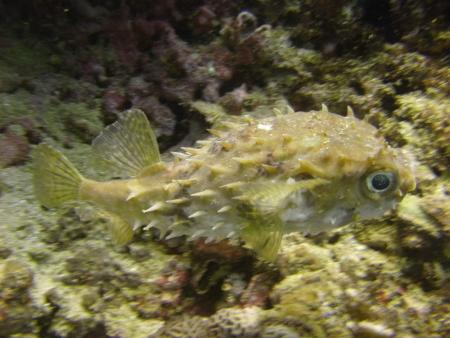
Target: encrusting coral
[(67, 69)]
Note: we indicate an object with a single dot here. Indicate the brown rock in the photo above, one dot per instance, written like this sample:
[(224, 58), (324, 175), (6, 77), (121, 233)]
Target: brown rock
[(14, 149)]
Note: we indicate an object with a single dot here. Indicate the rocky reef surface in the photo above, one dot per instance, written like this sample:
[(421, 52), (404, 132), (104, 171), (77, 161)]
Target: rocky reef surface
[(68, 68)]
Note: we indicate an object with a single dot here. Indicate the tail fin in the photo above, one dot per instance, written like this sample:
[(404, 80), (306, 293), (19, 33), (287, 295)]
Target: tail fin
[(55, 178)]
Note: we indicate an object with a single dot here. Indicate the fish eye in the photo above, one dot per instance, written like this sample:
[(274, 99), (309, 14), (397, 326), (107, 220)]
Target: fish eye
[(380, 181)]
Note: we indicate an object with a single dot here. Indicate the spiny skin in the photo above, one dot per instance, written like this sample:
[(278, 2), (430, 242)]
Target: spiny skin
[(253, 170)]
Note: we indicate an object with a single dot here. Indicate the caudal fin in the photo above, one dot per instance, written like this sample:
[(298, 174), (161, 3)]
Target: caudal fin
[(55, 178)]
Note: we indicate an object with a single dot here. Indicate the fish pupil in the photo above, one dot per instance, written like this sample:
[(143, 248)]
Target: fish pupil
[(380, 182)]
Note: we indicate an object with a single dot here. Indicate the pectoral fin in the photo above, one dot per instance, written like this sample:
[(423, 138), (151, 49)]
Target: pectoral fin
[(263, 234), (264, 229), (270, 197), (128, 145)]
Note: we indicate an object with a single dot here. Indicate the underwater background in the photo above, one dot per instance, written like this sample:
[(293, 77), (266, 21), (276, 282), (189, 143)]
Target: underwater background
[(68, 68)]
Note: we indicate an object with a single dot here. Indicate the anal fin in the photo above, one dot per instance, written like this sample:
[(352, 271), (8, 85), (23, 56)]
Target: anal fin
[(128, 145), (121, 231)]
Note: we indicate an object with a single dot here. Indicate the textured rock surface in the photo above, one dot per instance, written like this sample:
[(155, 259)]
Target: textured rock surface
[(61, 276)]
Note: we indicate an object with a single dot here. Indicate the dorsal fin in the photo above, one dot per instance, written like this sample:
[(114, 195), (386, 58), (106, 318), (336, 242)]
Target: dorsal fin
[(128, 145)]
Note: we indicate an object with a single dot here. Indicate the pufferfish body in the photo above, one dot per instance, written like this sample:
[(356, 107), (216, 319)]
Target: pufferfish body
[(250, 182)]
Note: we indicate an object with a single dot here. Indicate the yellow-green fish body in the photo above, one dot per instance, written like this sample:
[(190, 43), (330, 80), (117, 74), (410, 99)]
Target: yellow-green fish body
[(254, 180)]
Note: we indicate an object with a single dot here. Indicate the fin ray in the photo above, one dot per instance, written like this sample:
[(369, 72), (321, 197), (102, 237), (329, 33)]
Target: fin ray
[(128, 145), (263, 234), (55, 178), (121, 231)]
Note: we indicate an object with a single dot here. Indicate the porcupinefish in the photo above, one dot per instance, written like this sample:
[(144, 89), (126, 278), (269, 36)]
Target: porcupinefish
[(250, 182)]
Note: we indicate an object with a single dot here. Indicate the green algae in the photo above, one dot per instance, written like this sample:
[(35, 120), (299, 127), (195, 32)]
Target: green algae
[(60, 119), (289, 66), (19, 63), (25, 57), (81, 120), (14, 106)]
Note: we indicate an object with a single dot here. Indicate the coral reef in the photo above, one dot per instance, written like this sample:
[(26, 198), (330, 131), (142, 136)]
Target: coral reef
[(16, 279), (68, 68)]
